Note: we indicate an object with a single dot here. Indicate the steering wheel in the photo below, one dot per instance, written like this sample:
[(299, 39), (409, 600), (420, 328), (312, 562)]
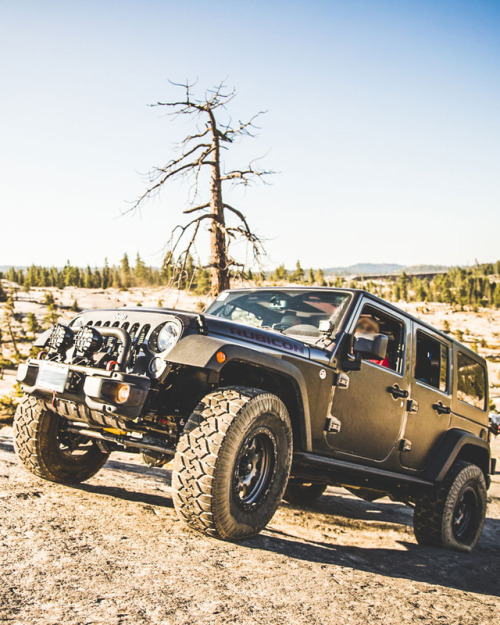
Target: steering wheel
[(281, 327)]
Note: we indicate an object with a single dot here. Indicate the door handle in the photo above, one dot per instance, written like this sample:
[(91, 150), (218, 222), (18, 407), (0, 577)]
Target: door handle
[(397, 392), (440, 408)]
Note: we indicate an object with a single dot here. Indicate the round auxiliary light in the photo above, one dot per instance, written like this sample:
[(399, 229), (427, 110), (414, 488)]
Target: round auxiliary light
[(61, 338), (157, 366), (88, 340), (168, 336), (122, 393)]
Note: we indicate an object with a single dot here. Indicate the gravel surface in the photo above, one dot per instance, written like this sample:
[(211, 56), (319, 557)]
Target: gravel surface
[(113, 552)]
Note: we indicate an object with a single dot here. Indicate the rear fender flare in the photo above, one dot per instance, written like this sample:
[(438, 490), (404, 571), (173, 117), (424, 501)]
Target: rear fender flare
[(456, 444)]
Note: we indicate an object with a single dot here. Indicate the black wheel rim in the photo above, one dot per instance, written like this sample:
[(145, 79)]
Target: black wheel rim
[(70, 445), (254, 468), (465, 515)]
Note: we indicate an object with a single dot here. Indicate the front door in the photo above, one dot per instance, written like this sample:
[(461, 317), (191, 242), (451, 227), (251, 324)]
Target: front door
[(372, 409), (430, 389)]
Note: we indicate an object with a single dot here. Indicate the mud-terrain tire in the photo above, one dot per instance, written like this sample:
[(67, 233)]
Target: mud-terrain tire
[(452, 514), (232, 463), (303, 493), (39, 445)]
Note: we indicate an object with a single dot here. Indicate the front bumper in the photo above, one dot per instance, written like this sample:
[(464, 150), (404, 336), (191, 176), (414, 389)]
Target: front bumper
[(94, 388)]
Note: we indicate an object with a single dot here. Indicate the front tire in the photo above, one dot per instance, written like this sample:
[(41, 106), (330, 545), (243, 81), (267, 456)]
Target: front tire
[(452, 514), (47, 451), (232, 463)]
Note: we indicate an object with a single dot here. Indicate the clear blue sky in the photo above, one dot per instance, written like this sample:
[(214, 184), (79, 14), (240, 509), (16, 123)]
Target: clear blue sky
[(383, 121)]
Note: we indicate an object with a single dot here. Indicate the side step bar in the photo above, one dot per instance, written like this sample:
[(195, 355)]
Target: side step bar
[(345, 473)]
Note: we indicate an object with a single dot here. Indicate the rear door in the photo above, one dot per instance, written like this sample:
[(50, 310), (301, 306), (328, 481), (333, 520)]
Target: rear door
[(372, 409), (431, 395)]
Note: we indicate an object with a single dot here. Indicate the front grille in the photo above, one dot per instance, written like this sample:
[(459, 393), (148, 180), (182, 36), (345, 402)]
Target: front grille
[(137, 333), (140, 325)]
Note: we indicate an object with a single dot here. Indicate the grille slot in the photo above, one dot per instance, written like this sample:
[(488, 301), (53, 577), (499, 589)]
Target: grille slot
[(133, 331), (142, 335)]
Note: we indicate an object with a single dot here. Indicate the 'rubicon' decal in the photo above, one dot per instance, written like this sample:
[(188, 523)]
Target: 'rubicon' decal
[(267, 339)]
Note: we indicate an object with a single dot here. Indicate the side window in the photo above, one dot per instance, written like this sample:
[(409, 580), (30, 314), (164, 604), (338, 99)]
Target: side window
[(471, 381), (372, 320), (432, 362)]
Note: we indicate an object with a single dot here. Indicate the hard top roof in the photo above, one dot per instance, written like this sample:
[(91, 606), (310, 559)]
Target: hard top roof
[(358, 293)]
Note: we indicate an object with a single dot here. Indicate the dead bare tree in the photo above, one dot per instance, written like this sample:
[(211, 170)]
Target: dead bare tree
[(202, 152)]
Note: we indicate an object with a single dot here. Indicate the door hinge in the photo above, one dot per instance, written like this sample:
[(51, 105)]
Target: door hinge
[(341, 380), (333, 425), (412, 406), (405, 445)]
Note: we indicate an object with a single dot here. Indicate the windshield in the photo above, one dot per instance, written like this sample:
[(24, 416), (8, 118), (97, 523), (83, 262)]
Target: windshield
[(294, 312)]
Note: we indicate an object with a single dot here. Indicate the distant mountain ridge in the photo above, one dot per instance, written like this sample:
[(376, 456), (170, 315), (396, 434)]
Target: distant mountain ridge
[(359, 269), (381, 269)]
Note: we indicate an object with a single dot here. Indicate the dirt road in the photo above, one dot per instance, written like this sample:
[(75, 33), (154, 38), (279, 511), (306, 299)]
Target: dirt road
[(113, 552)]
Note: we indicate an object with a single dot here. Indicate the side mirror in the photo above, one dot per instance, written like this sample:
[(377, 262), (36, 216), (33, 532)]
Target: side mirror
[(370, 346)]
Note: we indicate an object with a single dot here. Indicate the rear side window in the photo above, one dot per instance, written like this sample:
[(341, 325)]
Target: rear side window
[(471, 381), (432, 362)]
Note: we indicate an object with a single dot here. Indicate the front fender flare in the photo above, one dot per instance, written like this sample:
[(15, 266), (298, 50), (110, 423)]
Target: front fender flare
[(200, 351)]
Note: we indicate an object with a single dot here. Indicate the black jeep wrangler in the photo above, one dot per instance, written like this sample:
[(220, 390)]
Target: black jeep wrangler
[(271, 393)]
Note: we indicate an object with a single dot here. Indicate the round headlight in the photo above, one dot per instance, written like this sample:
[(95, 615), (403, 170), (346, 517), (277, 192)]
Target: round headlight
[(77, 323), (168, 336)]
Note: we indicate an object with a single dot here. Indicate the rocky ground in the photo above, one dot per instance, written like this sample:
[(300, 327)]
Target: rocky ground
[(112, 551)]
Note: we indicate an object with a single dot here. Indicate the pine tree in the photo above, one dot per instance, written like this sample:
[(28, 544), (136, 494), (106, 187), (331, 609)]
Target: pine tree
[(140, 270), (32, 323), (298, 274), (105, 275), (9, 317), (203, 281), (51, 316), (167, 270), (319, 277), (496, 296), (125, 272), (280, 274)]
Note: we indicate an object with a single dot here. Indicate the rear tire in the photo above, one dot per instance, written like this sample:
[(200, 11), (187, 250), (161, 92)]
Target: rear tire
[(303, 493), (452, 514), (232, 463), (47, 451)]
